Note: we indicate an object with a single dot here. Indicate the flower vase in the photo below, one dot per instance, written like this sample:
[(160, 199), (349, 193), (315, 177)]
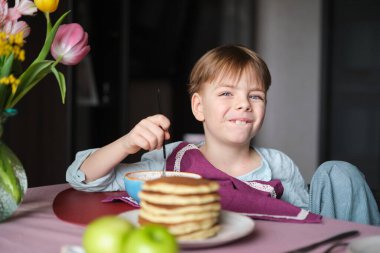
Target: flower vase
[(13, 180)]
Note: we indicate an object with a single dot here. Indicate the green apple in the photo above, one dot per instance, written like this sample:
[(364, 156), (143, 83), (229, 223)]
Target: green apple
[(106, 234), (151, 239)]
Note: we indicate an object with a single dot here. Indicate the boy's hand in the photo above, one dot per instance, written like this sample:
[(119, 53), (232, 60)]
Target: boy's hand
[(148, 134)]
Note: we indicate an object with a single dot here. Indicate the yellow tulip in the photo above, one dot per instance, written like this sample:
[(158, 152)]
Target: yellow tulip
[(48, 6)]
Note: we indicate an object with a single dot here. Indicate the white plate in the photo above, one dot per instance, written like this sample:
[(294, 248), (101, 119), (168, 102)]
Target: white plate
[(233, 226), (369, 244)]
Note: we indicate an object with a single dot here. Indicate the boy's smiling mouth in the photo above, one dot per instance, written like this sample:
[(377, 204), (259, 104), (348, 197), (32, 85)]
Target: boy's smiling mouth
[(241, 122)]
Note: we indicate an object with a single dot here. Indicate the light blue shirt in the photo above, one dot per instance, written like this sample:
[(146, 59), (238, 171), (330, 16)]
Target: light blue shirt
[(275, 165)]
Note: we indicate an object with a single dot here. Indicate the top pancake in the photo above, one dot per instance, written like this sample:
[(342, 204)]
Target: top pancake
[(181, 185)]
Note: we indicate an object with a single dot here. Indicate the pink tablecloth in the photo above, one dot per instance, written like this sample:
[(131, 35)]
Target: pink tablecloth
[(35, 228)]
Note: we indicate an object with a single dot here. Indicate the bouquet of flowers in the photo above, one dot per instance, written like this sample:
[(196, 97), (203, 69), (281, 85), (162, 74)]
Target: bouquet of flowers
[(68, 44)]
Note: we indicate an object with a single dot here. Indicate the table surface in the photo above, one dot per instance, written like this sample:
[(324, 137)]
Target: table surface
[(35, 228)]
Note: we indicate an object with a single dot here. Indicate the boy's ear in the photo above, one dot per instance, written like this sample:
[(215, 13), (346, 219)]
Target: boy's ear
[(197, 107)]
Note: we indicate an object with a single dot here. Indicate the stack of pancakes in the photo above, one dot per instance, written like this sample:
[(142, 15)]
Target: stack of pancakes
[(188, 207)]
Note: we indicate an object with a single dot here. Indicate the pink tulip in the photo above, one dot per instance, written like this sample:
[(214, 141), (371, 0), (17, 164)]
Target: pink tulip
[(70, 44)]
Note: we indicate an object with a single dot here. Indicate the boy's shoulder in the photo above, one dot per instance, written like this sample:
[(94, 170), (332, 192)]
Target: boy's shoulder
[(281, 165), (272, 155), (269, 152)]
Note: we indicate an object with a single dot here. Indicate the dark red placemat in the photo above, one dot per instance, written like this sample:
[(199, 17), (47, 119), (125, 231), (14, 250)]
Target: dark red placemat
[(82, 207)]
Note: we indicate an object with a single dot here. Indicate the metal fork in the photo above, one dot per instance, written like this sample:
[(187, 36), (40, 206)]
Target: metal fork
[(335, 245), (163, 146), (323, 242)]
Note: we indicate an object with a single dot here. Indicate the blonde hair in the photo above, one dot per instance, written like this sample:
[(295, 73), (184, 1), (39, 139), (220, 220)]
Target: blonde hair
[(228, 60)]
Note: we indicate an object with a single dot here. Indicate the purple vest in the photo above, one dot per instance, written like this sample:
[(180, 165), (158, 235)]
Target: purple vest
[(257, 199)]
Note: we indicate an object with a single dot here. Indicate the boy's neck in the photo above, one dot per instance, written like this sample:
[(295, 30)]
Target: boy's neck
[(233, 160)]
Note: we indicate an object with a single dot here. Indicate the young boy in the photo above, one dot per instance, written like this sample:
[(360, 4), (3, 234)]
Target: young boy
[(228, 88)]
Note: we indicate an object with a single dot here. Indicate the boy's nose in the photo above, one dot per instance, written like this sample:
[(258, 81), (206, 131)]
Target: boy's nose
[(243, 104)]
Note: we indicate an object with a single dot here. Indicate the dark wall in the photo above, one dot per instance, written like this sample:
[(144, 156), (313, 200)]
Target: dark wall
[(351, 86)]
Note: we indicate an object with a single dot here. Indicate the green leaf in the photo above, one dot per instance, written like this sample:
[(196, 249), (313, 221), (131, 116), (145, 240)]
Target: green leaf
[(61, 82), (35, 72), (32, 75), (7, 65), (49, 39), (5, 90)]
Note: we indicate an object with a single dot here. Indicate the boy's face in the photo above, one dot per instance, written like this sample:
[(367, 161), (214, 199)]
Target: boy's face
[(232, 111)]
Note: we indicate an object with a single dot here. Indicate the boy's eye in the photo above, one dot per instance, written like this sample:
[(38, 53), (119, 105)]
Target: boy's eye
[(225, 93), (257, 97)]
